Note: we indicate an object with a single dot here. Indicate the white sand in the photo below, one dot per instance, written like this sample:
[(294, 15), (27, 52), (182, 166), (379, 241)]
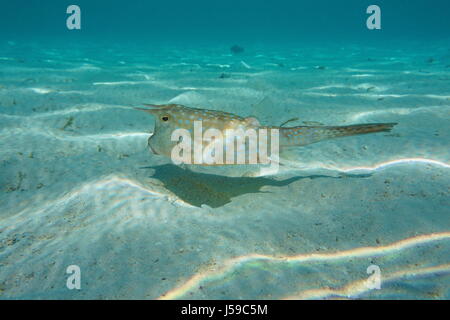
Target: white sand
[(75, 190)]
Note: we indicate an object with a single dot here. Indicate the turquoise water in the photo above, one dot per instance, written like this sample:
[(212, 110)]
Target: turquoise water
[(80, 187)]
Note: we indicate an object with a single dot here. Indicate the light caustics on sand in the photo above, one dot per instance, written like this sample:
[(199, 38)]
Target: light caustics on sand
[(232, 264), (359, 287), (362, 75), (155, 83), (361, 86), (91, 189), (58, 91), (366, 90), (77, 109), (376, 95), (390, 163), (107, 136), (398, 111), (292, 165), (111, 181), (16, 132), (217, 65), (120, 83), (41, 90)]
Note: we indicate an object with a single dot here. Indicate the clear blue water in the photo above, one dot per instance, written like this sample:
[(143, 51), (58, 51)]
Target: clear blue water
[(80, 187)]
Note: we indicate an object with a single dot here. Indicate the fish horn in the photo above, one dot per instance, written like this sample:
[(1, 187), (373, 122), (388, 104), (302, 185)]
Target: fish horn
[(158, 106), (153, 108), (151, 111)]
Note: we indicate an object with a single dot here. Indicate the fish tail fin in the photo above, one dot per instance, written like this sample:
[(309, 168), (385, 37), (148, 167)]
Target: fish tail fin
[(298, 136), (343, 131)]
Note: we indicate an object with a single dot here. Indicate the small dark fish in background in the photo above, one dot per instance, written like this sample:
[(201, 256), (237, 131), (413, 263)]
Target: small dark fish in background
[(236, 49)]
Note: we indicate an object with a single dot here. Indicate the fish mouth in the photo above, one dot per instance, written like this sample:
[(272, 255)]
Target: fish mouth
[(153, 150), (150, 146)]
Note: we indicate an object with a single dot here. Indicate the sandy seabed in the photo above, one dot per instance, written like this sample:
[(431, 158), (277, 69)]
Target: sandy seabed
[(79, 186)]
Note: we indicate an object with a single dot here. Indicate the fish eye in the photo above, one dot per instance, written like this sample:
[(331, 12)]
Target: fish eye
[(165, 118)]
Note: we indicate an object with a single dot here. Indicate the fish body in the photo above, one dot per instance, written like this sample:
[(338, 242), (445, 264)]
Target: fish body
[(172, 117)]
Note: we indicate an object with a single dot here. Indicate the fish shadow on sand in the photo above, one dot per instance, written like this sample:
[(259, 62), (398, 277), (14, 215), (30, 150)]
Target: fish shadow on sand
[(214, 190)]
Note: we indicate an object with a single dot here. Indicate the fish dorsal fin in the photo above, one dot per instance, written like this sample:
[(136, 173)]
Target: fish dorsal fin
[(286, 122), (253, 121)]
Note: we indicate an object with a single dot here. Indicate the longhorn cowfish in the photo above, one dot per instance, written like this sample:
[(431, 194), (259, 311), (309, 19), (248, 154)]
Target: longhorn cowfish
[(170, 118)]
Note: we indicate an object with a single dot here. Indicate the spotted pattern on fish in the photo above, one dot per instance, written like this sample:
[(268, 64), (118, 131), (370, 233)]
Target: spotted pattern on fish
[(173, 116)]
